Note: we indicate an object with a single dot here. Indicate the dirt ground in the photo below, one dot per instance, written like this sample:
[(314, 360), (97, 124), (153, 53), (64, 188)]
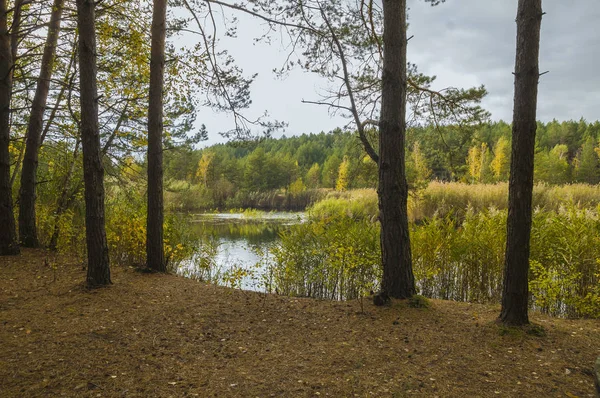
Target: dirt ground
[(151, 335)]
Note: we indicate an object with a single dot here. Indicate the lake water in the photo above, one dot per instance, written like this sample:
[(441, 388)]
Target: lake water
[(233, 247)]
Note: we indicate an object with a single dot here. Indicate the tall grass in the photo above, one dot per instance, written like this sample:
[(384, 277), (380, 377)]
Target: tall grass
[(360, 204), (456, 258), (442, 198), (336, 259)]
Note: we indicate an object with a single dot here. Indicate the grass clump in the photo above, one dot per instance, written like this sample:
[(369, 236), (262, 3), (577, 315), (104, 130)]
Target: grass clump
[(520, 331), (360, 204), (418, 301)]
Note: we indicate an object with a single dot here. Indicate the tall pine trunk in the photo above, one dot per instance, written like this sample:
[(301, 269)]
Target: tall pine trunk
[(27, 193), (98, 272), (8, 235), (14, 46), (398, 280), (155, 257), (515, 292), (15, 29)]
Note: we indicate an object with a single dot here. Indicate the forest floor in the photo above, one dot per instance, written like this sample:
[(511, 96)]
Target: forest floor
[(152, 335)]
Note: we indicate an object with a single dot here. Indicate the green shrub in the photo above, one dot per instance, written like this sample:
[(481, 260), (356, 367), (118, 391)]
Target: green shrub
[(454, 257), (335, 259)]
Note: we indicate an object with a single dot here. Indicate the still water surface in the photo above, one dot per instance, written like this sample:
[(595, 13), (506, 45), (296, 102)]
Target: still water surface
[(232, 242)]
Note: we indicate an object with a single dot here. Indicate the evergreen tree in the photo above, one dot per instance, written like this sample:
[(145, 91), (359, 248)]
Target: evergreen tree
[(8, 237), (27, 193), (254, 172), (515, 288), (313, 176), (552, 167), (397, 279), (98, 273), (155, 254), (330, 171), (587, 167)]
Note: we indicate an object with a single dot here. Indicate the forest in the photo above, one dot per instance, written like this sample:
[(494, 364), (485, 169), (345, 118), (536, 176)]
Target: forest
[(423, 224), (222, 176)]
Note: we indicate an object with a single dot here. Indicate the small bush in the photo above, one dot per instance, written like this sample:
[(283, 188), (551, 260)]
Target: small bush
[(418, 301)]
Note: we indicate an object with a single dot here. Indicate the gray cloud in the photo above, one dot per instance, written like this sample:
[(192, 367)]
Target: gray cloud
[(475, 40), (464, 43)]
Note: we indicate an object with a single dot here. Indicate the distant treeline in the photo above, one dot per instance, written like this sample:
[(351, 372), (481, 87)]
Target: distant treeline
[(567, 152)]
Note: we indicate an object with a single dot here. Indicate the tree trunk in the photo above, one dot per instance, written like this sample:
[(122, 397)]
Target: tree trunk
[(15, 29), (155, 258), (8, 235), (398, 280), (515, 292), (14, 46), (66, 199), (27, 228), (98, 272), (17, 166)]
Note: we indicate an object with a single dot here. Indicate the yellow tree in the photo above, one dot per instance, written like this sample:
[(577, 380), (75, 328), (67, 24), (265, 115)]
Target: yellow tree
[(501, 162), (474, 163), (342, 180), (204, 166)]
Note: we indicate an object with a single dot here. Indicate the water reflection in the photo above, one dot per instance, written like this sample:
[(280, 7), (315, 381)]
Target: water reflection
[(233, 247)]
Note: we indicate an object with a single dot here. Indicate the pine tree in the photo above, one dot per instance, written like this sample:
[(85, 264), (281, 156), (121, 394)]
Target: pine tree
[(98, 273), (515, 289), (8, 236), (397, 279), (330, 171), (155, 253), (587, 169), (27, 193), (313, 176)]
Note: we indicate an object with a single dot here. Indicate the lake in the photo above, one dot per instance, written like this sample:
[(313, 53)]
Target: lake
[(232, 248)]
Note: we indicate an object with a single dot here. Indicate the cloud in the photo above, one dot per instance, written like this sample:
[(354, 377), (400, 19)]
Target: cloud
[(474, 41), (464, 43)]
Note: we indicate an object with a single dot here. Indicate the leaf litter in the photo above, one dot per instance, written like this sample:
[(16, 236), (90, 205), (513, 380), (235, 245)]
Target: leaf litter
[(152, 335)]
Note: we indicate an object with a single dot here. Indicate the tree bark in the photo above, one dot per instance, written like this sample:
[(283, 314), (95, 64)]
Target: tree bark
[(8, 235), (98, 272), (398, 279), (27, 193), (14, 46), (15, 29), (515, 292), (155, 258)]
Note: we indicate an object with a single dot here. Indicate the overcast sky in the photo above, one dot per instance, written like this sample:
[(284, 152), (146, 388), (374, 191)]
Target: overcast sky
[(464, 43)]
